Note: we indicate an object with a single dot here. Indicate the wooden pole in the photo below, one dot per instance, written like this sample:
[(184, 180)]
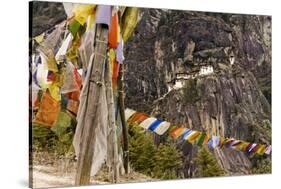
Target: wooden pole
[(122, 115), (112, 137), (87, 142)]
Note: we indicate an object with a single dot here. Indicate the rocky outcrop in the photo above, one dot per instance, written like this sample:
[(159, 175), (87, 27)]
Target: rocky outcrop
[(234, 101), (45, 15)]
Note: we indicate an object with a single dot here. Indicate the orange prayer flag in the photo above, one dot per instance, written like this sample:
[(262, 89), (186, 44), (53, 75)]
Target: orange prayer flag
[(115, 74), (141, 118), (75, 95), (48, 111), (177, 132), (113, 32), (136, 117), (206, 139)]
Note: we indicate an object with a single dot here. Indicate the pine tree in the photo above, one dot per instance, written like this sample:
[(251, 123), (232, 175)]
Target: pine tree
[(261, 165), (160, 162), (167, 160), (207, 164), (142, 150)]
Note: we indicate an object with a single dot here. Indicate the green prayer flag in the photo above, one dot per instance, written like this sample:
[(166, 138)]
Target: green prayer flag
[(200, 139), (73, 27)]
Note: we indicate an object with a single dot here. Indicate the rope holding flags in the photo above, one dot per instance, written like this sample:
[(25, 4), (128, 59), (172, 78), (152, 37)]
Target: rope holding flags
[(199, 138)]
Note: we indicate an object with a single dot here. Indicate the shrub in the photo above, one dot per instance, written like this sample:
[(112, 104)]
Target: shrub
[(160, 162), (207, 165), (261, 165), (167, 161), (142, 150)]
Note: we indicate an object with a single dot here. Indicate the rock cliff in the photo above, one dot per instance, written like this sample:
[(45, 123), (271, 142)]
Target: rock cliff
[(233, 101)]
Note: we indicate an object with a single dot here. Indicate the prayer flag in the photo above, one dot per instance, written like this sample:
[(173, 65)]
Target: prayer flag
[(200, 139), (129, 113), (103, 14), (113, 32), (154, 125), (162, 128), (146, 123)]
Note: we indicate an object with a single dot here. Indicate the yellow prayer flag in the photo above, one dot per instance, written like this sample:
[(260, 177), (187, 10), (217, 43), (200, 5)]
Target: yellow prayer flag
[(129, 22), (261, 149), (122, 10), (193, 136), (244, 145), (55, 92), (39, 38), (82, 11)]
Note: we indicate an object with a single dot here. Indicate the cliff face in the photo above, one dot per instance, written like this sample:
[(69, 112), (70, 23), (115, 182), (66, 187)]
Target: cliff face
[(45, 15), (233, 101)]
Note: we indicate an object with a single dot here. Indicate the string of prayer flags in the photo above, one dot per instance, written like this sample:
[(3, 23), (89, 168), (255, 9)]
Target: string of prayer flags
[(160, 127)]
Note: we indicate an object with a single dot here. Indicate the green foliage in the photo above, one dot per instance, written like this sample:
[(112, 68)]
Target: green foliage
[(167, 160), (261, 165), (190, 91), (142, 150), (207, 164), (45, 140), (146, 158), (261, 132)]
